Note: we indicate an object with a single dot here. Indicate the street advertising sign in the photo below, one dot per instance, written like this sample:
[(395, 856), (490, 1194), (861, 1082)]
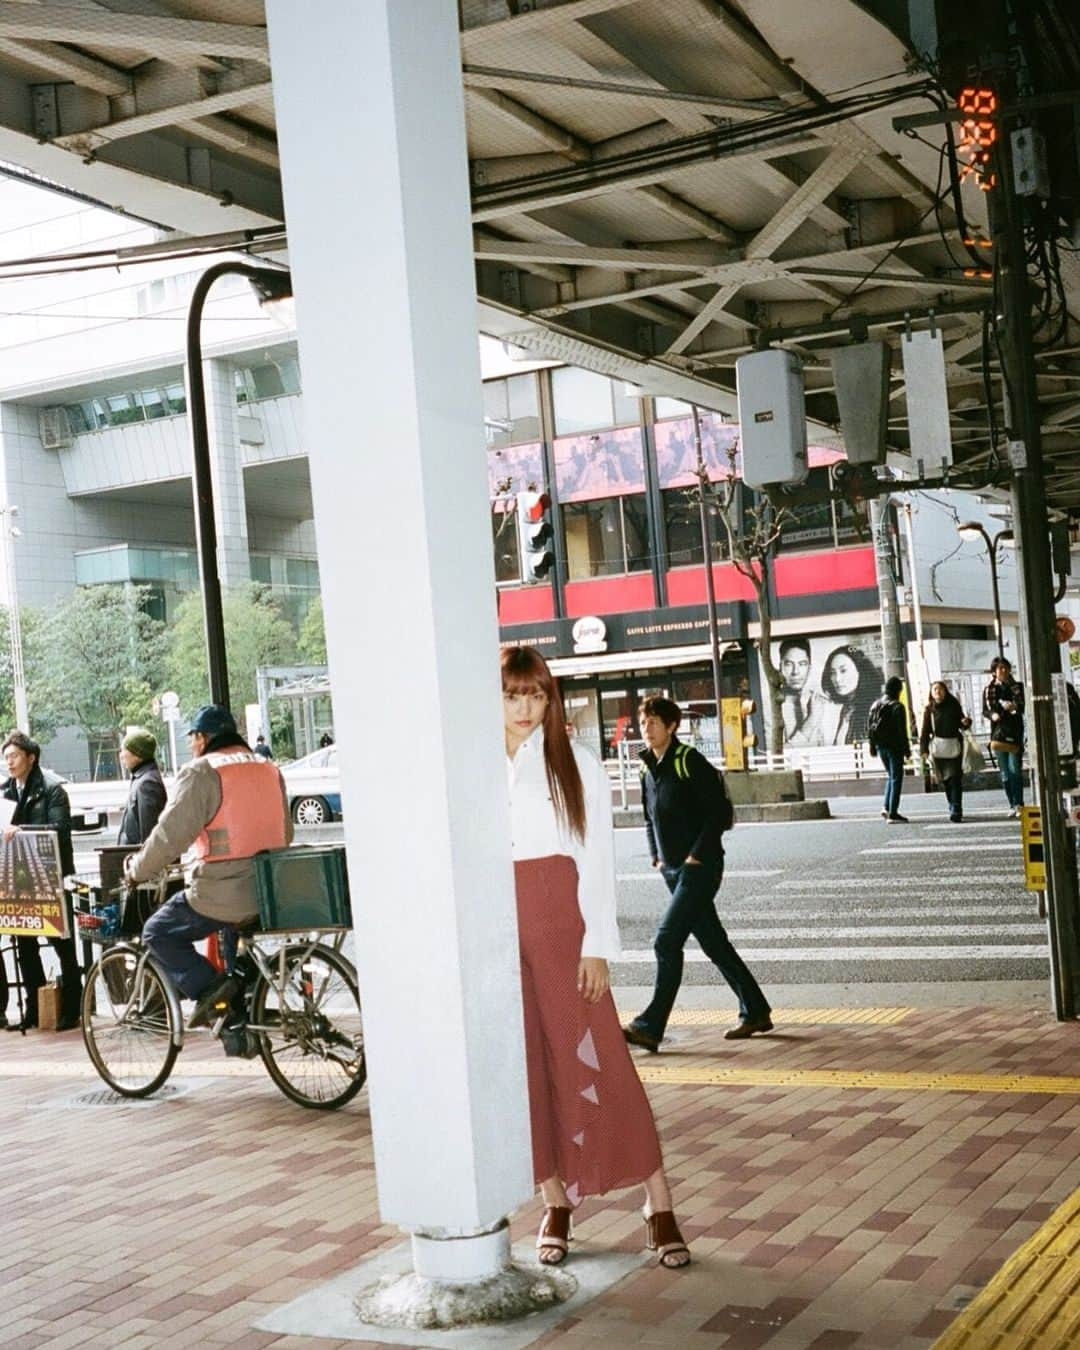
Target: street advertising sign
[(1031, 836), (1061, 715), (32, 901)]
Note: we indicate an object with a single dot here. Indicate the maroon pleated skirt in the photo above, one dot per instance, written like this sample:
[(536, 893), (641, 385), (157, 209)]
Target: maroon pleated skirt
[(591, 1121)]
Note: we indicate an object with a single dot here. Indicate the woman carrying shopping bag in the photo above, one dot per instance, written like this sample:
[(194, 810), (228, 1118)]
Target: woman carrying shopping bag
[(592, 1127), (942, 738), (1003, 708)]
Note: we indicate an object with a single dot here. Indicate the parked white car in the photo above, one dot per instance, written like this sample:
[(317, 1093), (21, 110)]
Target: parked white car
[(313, 787)]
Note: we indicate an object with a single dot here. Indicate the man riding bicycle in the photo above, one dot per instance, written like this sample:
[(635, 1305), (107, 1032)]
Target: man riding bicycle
[(227, 805)]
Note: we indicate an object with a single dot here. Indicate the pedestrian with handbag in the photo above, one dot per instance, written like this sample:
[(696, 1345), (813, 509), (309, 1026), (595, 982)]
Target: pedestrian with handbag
[(592, 1126), (1003, 708), (942, 739)]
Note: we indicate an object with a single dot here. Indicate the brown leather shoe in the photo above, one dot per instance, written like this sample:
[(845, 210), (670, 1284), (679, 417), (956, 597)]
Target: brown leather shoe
[(751, 1027), (642, 1038)]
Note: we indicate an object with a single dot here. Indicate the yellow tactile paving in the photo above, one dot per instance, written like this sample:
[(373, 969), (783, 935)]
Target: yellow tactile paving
[(713, 1017), (885, 1081), (1033, 1302)]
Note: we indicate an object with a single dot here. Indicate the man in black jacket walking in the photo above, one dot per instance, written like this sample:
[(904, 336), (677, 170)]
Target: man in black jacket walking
[(146, 798), (40, 802), (686, 811)]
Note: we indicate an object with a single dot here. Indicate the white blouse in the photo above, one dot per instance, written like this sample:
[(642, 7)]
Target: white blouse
[(537, 834)]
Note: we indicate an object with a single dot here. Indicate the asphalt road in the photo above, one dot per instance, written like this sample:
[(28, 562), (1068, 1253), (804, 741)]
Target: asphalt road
[(853, 900), (850, 901)]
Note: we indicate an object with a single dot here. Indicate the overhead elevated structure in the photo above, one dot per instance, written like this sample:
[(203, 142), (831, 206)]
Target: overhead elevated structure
[(657, 185)]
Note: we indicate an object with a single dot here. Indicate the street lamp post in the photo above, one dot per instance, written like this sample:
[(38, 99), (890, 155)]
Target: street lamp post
[(271, 284), (972, 529), (18, 676)]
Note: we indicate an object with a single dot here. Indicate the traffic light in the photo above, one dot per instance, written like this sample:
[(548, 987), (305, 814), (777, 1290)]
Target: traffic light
[(535, 533)]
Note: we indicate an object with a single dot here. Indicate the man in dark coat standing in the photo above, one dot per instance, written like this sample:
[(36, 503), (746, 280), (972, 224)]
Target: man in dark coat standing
[(887, 722), (146, 799), (40, 803)]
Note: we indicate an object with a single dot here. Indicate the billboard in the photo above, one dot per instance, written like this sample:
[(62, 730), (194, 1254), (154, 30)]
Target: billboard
[(829, 685), (32, 902)]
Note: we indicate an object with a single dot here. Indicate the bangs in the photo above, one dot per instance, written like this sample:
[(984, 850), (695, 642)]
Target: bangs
[(521, 684), (524, 671)]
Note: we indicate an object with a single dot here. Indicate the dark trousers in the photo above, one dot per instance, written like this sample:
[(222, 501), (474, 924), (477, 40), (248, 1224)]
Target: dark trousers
[(892, 762), (33, 977), (171, 933), (953, 783), (692, 913)]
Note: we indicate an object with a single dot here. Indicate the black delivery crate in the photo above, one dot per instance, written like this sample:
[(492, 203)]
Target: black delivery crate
[(302, 888)]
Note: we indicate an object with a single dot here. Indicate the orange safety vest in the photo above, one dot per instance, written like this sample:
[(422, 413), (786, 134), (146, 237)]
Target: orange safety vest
[(251, 815)]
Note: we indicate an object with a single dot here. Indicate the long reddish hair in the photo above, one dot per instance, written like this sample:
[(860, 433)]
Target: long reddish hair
[(523, 671)]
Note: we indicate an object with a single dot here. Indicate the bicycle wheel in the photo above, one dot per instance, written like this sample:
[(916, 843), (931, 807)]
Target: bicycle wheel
[(309, 1027), (127, 1023)]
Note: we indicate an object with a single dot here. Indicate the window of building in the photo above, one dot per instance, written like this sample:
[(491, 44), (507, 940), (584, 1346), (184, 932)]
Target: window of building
[(852, 522), (682, 529), (587, 402), (606, 537), (511, 411), (808, 524), (504, 537), (672, 407)]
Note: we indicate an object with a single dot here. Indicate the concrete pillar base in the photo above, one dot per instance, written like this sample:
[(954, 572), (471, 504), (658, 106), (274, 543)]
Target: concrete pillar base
[(462, 1282)]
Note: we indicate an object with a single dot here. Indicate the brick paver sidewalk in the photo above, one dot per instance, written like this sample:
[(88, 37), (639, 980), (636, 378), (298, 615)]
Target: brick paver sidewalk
[(849, 1185)]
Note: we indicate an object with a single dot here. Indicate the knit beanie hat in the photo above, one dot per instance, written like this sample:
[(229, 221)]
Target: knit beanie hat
[(141, 743)]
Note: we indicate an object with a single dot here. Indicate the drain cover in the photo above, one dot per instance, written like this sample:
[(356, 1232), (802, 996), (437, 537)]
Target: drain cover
[(105, 1096)]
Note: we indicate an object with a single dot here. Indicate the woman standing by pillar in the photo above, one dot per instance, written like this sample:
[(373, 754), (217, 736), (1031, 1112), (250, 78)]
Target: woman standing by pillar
[(592, 1128)]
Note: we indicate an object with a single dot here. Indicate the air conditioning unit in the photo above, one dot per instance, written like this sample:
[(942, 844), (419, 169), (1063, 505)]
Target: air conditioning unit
[(54, 428)]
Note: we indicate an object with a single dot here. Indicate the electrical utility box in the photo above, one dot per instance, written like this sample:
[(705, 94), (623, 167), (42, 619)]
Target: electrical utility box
[(772, 418)]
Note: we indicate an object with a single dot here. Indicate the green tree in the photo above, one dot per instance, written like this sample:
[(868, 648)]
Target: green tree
[(311, 645), (256, 634), (93, 660)]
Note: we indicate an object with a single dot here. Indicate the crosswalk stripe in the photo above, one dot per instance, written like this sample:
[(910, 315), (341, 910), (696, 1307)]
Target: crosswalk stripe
[(969, 913), (838, 933), (887, 881), (893, 954), (976, 825), (1014, 847)]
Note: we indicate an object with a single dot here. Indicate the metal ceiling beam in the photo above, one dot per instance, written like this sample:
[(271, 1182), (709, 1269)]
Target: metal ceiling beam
[(144, 32), (68, 64), (653, 92), (589, 255), (824, 180), (682, 210), (230, 135), (95, 137), (554, 136), (523, 201), (545, 15)]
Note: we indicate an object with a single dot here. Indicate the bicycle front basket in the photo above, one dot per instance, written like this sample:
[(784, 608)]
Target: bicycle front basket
[(302, 888)]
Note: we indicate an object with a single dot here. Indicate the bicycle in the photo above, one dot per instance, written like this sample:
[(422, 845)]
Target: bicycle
[(299, 1009)]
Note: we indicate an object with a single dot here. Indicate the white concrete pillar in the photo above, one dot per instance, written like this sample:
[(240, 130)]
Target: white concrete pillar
[(371, 127), (227, 473)]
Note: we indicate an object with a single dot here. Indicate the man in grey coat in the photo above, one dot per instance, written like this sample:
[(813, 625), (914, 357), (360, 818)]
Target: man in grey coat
[(227, 805)]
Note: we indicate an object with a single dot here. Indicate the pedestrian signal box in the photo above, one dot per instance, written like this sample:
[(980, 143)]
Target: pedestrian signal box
[(535, 535), (1031, 835)]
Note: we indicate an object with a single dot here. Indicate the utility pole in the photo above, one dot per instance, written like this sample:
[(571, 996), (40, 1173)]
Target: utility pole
[(1030, 522), (710, 587), (892, 645)]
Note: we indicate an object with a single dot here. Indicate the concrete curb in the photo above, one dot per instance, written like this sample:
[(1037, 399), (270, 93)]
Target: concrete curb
[(817, 808)]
